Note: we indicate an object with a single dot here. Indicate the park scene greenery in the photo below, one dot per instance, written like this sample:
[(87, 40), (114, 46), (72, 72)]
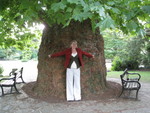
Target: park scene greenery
[(112, 29), (132, 48), (127, 51)]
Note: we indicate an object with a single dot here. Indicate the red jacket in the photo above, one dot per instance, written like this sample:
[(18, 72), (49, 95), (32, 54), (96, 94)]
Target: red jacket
[(67, 54)]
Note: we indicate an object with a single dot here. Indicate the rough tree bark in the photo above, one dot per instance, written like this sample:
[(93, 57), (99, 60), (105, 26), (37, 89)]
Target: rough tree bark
[(51, 72)]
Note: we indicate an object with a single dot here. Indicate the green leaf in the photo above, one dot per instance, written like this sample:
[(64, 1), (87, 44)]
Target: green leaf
[(30, 14), (69, 9), (146, 9), (60, 18), (142, 32), (131, 25), (94, 6), (107, 7), (101, 12), (82, 3), (58, 6), (79, 15), (106, 23), (10, 42), (76, 13), (93, 24), (111, 3), (1, 17), (67, 23), (116, 10), (129, 15), (25, 4), (98, 8), (74, 1)]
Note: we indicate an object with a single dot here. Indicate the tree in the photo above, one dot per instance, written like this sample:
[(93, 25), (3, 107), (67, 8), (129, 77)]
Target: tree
[(126, 50), (115, 43), (65, 20)]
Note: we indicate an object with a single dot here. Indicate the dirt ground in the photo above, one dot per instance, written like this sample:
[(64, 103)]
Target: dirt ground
[(111, 92)]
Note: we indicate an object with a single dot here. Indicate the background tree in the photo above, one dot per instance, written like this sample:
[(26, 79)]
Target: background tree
[(64, 21), (115, 43), (131, 56), (130, 52)]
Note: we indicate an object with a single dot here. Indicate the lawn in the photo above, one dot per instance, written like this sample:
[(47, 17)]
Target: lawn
[(145, 75)]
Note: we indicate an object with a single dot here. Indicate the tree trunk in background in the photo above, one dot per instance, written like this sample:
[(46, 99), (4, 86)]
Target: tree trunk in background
[(51, 72)]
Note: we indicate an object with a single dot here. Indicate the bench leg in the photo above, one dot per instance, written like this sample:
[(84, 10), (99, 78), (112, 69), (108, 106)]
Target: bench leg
[(22, 80), (11, 89), (121, 93), (16, 88), (137, 94), (2, 90)]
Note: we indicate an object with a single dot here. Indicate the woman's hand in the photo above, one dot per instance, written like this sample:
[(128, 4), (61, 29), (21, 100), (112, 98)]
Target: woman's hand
[(93, 56), (49, 56)]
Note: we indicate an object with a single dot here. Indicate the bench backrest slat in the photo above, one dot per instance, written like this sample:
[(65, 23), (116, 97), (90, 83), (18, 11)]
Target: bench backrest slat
[(16, 73), (125, 74)]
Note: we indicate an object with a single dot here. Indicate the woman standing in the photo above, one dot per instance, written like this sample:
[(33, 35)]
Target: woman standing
[(73, 62)]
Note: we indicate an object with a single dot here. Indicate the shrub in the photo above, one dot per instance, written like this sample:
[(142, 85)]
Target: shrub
[(1, 70), (116, 64), (119, 65), (146, 58), (146, 62), (24, 60), (130, 64)]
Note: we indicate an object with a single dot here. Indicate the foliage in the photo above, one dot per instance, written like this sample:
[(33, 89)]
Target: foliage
[(115, 43), (1, 69), (119, 65), (29, 54), (134, 48), (7, 53), (16, 16), (130, 64), (146, 57), (2, 54), (124, 46), (130, 56), (116, 64), (13, 53), (130, 50)]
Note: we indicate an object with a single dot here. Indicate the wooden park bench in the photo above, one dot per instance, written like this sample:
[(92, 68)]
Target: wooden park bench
[(11, 80), (130, 81)]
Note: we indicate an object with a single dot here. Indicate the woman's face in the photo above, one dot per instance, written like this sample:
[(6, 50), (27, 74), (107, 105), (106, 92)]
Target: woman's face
[(74, 45)]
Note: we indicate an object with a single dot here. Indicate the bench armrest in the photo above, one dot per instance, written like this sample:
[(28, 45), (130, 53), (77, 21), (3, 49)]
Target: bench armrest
[(10, 78), (138, 75)]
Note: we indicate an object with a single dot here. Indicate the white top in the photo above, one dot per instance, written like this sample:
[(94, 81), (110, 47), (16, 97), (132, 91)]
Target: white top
[(73, 65)]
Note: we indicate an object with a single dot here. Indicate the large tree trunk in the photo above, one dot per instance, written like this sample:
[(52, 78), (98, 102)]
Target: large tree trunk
[(51, 72)]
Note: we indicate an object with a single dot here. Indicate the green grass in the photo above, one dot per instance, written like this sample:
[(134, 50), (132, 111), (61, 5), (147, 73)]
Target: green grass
[(145, 75)]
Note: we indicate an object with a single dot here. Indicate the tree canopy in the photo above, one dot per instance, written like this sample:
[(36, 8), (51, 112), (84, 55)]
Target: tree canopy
[(16, 16)]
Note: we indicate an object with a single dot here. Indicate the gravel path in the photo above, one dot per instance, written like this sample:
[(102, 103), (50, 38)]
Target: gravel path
[(23, 104)]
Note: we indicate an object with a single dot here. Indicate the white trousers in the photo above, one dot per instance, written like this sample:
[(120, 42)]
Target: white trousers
[(73, 89)]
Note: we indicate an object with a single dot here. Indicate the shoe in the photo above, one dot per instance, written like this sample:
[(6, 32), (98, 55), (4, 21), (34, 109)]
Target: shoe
[(70, 100), (77, 100)]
